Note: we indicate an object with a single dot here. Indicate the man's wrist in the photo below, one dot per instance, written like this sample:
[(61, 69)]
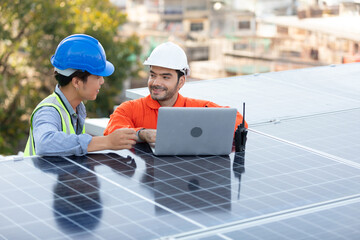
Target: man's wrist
[(138, 135)]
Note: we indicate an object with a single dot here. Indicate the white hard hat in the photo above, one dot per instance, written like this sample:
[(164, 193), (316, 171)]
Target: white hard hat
[(169, 55)]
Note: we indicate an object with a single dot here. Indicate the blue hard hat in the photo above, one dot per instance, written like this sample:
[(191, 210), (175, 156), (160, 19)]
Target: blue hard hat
[(82, 52)]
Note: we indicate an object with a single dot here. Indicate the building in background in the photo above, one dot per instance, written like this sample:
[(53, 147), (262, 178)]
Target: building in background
[(227, 37)]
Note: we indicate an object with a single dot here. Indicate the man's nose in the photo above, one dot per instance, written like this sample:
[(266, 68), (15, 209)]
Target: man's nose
[(156, 81)]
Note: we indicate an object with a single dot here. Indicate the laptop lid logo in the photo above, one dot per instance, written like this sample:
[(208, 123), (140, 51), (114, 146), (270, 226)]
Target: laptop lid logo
[(196, 132)]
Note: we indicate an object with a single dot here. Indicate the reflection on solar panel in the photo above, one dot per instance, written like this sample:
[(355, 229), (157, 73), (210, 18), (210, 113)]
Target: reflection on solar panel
[(299, 178)]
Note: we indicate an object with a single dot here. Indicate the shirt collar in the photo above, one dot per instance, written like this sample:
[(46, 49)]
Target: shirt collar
[(65, 101), (180, 101)]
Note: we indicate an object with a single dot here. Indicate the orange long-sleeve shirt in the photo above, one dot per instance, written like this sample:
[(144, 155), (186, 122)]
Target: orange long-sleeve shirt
[(143, 113)]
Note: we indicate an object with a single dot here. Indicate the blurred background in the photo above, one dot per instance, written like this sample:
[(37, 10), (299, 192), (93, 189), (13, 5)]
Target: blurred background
[(222, 38)]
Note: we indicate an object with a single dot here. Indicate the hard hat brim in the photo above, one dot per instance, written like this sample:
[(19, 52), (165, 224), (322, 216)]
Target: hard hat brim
[(109, 69)]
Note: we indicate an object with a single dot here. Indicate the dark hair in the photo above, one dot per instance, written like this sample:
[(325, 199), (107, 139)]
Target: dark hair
[(179, 74), (64, 80)]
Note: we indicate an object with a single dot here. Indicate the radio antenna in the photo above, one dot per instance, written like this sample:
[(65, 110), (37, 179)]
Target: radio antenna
[(243, 120)]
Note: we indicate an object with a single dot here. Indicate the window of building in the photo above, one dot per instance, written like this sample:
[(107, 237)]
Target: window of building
[(195, 27), (244, 25), (314, 54), (196, 6), (198, 53), (282, 30), (240, 46)]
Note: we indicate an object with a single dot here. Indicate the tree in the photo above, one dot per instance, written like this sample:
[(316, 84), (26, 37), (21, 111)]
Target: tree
[(29, 33)]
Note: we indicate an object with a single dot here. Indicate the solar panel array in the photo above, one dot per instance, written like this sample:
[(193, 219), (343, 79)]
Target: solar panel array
[(299, 178)]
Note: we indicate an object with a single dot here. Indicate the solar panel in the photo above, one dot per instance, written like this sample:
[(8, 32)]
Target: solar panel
[(336, 133), (137, 195), (335, 222), (299, 177)]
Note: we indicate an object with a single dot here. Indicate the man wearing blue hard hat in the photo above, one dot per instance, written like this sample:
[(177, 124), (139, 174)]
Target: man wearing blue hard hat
[(57, 123)]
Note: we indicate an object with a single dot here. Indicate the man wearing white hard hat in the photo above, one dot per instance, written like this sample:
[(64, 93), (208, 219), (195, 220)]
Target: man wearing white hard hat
[(168, 70)]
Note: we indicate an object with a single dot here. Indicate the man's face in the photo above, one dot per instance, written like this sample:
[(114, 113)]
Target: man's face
[(164, 85), (89, 90)]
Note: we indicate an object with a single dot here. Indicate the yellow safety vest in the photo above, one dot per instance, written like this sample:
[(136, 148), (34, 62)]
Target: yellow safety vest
[(53, 101)]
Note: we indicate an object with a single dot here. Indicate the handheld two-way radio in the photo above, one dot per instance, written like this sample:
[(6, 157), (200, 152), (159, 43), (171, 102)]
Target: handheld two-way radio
[(240, 134)]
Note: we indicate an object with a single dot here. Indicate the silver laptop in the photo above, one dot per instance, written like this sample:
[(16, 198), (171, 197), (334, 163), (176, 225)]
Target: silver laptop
[(194, 131)]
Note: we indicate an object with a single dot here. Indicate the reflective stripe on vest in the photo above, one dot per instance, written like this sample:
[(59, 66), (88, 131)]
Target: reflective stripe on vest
[(52, 101)]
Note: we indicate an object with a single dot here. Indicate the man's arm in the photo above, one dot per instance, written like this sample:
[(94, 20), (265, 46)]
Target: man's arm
[(119, 139), (50, 140), (122, 117)]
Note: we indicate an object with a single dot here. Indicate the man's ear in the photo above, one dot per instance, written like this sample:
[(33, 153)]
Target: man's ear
[(181, 82), (75, 81)]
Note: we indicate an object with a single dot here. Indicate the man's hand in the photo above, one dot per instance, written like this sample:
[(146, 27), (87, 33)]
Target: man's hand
[(147, 135), (123, 138)]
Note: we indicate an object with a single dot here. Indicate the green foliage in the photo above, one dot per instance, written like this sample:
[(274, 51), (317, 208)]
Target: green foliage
[(30, 31)]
